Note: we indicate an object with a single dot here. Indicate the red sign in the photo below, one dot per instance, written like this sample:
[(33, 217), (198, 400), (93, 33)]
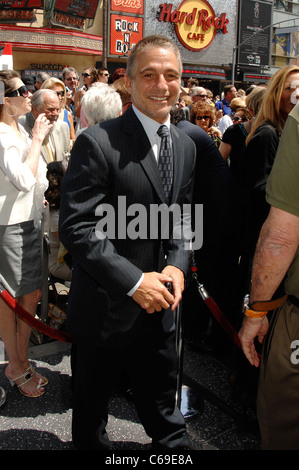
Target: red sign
[(195, 23), (81, 8), (125, 32), (21, 4), (17, 16), (127, 6), (66, 21)]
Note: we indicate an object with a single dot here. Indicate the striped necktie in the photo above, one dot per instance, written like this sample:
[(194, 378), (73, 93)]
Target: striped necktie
[(165, 162)]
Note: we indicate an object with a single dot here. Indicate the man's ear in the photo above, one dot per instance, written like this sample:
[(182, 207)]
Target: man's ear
[(35, 112), (128, 83)]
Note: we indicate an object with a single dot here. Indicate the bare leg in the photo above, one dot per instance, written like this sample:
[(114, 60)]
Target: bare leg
[(15, 367), (29, 302)]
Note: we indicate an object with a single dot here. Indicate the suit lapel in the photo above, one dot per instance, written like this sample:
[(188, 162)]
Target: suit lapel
[(178, 163), (142, 148), (45, 154)]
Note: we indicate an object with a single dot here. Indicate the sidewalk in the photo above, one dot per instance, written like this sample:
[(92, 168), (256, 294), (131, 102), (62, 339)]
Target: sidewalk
[(44, 423)]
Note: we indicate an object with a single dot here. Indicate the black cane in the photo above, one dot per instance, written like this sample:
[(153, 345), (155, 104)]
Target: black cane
[(179, 348), (186, 399)]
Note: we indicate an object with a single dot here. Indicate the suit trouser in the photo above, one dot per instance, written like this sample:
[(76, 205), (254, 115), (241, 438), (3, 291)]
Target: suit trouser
[(150, 362), (278, 391)]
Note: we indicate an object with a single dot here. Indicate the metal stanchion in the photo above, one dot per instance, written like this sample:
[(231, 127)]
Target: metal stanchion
[(187, 400), (45, 271)]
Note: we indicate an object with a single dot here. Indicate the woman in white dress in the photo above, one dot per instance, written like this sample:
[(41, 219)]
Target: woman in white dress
[(22, 182)]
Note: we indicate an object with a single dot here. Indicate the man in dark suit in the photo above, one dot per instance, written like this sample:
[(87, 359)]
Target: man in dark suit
[(120, 311)]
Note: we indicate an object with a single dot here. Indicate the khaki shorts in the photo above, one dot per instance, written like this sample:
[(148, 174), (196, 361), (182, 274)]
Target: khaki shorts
[(278, 391)]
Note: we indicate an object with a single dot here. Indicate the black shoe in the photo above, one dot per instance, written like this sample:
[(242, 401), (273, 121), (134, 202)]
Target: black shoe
[(181, 445)]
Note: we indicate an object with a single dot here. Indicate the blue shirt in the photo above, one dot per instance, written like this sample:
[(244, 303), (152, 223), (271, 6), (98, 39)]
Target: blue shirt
[(224, 105)]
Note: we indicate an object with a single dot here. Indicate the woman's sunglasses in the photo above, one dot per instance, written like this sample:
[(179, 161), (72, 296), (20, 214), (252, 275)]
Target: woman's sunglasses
[(22, 91), (199, 118), (85, 75), (60, 93)]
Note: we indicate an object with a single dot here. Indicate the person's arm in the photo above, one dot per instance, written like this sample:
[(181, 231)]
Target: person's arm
[(275, 251), (72, 128), (40, 129), (225, 150), (84, 188), (77, 101), (21, 173), (152, 294)]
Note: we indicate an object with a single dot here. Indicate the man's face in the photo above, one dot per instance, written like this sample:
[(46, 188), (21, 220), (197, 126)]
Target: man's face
[(156, 84), (201, 95), (103, 76), (71, 81), (51, 108), (231, 94)]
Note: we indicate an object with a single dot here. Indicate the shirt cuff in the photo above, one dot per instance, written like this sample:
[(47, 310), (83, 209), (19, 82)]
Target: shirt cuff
[(131, 292)]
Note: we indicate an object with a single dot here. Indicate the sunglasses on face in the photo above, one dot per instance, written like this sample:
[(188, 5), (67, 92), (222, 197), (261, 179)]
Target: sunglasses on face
[(237, 119), (22, 91), (60, 93), (104, 74), (85, 75), (199, 118)]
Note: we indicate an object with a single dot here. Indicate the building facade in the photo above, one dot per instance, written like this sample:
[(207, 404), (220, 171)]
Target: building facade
[(207, 33)]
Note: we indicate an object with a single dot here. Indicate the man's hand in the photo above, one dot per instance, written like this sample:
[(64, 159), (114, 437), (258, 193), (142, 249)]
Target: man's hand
[(152, 295), (178, 283), (41, 127), (251, 329)]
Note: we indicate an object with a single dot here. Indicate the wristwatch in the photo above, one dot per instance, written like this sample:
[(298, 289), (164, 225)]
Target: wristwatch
[(249, 312)]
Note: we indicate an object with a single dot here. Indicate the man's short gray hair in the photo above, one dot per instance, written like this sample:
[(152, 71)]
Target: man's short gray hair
[(147, 42), (100, 103), (196, 90), (42, 76), (69, 70), (37, 99)]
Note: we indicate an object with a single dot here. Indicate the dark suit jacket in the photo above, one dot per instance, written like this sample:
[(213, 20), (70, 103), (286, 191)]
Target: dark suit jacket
[(217, 189), (110, 160)]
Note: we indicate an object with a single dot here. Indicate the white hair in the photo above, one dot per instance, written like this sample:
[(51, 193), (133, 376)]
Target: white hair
[(101, 103), (37, 99), (197, 89)]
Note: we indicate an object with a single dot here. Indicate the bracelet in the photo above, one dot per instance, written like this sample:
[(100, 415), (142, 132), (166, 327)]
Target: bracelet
[(254, 314)]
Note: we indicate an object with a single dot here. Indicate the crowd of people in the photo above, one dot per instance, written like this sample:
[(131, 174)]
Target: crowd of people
[(68, 147)]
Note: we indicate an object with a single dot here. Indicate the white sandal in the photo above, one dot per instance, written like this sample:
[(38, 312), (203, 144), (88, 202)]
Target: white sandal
[(42, 381), (27, 377)]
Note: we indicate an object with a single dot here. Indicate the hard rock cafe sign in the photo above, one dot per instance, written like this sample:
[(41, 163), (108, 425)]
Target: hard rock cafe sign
[(195, 23)]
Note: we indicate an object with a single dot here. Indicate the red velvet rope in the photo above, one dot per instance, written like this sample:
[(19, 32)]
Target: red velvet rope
[(215, 310), (222, 320), (34, 322)]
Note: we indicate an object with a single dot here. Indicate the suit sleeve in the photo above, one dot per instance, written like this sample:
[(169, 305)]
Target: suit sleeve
[(85, 187)]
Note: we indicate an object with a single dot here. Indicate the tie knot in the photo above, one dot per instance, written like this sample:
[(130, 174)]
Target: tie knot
[(163, 131)]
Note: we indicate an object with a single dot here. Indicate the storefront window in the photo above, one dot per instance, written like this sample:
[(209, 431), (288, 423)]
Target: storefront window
[(285, 49)]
